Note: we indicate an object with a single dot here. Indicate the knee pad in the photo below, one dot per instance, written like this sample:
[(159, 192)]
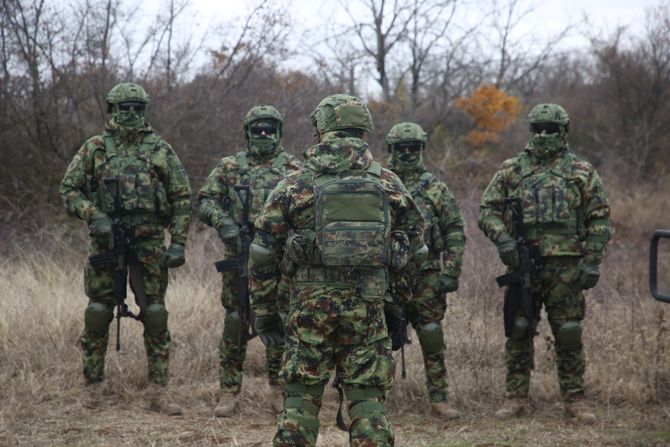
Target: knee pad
[(231, 325), (155, 319), (520, 329), (97, 317), (569, 336), (368, 409), (431, 338), (295, 400)]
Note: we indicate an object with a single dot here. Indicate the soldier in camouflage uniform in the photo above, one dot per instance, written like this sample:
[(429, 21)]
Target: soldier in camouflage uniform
[(565, 214), (332, 224), (155, 194), (439, 275), (260, 166)]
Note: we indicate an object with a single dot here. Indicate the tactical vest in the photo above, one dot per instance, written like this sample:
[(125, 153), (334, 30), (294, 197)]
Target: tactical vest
[(352, 232), (552, 214), (142, 192), (428, 204), (262, 180)]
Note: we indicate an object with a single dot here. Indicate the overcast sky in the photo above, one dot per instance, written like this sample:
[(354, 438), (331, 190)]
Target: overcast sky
[(547, 15), (309, 18)]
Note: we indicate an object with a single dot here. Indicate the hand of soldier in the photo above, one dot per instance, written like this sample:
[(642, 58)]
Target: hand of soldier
[(100, 227), (588, 275), (507, 250), (230, 235), (174, 256), (448, 283), (270, 329)]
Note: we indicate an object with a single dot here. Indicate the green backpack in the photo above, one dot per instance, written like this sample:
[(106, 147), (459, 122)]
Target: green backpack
[(353, 221)]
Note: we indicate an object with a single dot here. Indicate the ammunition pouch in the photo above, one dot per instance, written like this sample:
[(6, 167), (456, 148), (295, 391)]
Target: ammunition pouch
[(369, 282)]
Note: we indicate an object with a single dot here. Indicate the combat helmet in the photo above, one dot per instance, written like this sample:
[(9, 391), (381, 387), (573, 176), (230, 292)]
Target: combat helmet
[(548, 114), (341, 111), (263, 112), (126, 92), (406, 132)]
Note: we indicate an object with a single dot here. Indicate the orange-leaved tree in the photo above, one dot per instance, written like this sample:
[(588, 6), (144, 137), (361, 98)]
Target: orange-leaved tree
[(492, 111)]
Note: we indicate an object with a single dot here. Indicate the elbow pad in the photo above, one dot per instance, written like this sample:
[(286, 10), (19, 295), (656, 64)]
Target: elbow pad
[(420, 255), (262, 256)]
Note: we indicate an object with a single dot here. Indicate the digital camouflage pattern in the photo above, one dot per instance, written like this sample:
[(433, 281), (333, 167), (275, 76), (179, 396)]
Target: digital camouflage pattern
[(565, 213), (445, 238), (217, 204), (336, 318), (155, 193)]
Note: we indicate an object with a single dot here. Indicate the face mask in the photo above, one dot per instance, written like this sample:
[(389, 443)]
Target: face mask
[(407, 159), (544, 145), (129, 115), (263, 140)]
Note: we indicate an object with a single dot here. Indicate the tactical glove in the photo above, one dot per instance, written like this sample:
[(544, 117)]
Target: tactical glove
[(507, 251), (448, 283), (270, 330), (588, 275), (100, 227), (174, 256), (395, 324), (230, 235)]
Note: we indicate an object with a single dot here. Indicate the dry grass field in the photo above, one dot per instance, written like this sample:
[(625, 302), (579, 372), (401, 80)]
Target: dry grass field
[(626, 337)]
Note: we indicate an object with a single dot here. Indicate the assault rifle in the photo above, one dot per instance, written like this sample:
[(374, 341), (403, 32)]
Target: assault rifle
[(123, 260), (519, 293), (240, 265)]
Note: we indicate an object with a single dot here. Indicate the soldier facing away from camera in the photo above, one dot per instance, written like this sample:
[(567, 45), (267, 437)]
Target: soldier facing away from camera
[(564, 219), (260, 166), (154, 194), (439, 274), (333, 225)]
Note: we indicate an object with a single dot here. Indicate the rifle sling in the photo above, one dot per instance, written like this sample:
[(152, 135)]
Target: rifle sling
[(136, 273)]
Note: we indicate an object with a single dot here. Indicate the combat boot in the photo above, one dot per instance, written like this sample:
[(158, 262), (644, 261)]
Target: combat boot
[(92, 395), (579, 410), (444, 410), (512, 407), (227, 405), (160, 402), (276, 399)]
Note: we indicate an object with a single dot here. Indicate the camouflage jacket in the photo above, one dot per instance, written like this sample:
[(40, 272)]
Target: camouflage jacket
[(444, 234), (153, 183), (291, 206), (217, 201), (565, 209)]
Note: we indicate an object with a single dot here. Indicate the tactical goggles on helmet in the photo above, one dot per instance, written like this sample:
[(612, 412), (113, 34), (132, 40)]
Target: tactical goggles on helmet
[(267, 129), (135, 105), (408, 147), (547, 128)]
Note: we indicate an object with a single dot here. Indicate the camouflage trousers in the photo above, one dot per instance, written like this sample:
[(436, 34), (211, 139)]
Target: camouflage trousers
[(335, 329), (99, 289), (554, 287), (428, 305), (232, 351)]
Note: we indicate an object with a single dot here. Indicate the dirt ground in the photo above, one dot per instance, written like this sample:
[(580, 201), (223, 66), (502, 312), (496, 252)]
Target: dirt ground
[(123, 420)]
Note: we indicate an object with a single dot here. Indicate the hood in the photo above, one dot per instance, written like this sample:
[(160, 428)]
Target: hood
[(335, 154)]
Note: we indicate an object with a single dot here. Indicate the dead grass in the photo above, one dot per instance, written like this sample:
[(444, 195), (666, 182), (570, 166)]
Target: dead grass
[(626, 339)]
